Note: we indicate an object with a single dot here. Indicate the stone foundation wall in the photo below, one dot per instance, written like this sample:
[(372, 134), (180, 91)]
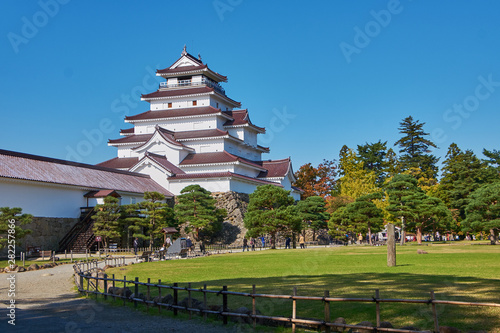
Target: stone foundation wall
[(233, 230), (46, 232)]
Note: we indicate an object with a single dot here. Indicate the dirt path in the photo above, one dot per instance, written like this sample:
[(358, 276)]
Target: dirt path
[(46, 301)]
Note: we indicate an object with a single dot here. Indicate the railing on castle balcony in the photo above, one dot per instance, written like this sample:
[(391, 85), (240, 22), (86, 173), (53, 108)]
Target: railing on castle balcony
[(190, 83)]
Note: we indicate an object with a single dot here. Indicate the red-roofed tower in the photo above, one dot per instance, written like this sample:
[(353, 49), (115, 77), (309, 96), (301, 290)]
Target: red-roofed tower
[(194, 133)]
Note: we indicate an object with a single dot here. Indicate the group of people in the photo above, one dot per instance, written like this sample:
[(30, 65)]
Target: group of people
[(250, 244)]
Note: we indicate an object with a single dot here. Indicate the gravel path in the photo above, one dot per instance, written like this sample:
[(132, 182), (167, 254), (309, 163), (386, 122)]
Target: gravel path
[(46, 301)]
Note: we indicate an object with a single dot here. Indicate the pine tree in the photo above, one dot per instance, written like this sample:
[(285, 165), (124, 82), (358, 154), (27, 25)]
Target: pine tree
[(196, 210), (13, 217), (312, 213), (400, 189), (364, 215), (415, 148), (106, 223), (373, 156), (483, 211), (463, 173), (271, 210)]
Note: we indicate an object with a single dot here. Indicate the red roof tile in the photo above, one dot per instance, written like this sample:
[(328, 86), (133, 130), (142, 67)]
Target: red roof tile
[(127, 131), (240, 117), (172, 113), (180, 69), (163, 161), (217, 157), (102, 194), (185, 92), (49, 170), (119, 163), (221, 175), (275, 168)]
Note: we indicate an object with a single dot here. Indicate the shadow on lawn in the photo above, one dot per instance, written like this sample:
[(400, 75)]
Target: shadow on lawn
[(363, 285)]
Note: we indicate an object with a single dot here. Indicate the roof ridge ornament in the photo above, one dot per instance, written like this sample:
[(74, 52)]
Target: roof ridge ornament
[(199, 57), (184, 51)]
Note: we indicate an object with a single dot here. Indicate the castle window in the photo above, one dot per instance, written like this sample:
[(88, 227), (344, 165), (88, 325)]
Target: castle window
[(169, 105), (195, 103)]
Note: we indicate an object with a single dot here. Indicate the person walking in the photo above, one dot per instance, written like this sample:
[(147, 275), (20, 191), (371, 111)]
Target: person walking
[(302, 242), (245, 244), (252, 243), (287, 242), (263, 240), (136, 245)]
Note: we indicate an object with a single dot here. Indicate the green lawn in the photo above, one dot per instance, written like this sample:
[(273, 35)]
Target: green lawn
[(454, 272)]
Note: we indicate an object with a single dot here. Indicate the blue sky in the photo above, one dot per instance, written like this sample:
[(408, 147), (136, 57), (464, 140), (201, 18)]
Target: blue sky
[(316, 74)]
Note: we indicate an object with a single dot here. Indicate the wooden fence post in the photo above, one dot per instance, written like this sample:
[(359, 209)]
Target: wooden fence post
[(377, 307), (189, 300), (81, 284), (114, 287), (159, 296), (254, 307), (136, 291), (175, 298), (224, 305), (148, 295), (205, 305), (327, 311), (105, 286), (124, 286), (294, 308), (434, 313), (71, 256), (391, 245)]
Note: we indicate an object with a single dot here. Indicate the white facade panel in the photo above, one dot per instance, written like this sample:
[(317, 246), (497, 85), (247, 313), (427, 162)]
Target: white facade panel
[(42, 200)]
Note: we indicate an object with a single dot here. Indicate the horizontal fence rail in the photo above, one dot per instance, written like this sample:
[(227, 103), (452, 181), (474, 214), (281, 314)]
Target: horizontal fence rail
[(89, 281)]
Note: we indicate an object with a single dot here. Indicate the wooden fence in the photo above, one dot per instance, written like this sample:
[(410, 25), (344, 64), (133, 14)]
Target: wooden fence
[(88, 284)]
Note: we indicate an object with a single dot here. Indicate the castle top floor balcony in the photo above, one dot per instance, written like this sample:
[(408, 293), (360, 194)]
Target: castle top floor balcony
[(191, 83)]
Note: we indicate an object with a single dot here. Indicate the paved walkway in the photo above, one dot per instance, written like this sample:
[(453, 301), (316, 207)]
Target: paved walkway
[(46, 301)]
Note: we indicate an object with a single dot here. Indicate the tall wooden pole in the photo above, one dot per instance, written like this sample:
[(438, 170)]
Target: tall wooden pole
[(391, 245)]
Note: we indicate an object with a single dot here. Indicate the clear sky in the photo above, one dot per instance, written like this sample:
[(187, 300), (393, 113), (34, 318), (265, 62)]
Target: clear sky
[(316, 74)]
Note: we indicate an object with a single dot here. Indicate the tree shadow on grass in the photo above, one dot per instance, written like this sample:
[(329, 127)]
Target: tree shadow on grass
[(363, 285)]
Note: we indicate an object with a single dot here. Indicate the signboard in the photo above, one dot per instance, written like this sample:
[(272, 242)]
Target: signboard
[(98, 238)]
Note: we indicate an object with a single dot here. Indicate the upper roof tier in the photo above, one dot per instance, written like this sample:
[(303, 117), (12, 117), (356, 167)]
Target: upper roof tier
[(189, 65)]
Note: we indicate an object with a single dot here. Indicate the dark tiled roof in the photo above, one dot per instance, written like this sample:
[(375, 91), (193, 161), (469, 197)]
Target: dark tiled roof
[(240, 117), (172, 136), (180, 69), (120, 163), (101, 194), (172, 113), (178, 92), (275, 168), (217, 157), (49, 170), (127, 131), (219, 175), (188, 91), (162, 160)]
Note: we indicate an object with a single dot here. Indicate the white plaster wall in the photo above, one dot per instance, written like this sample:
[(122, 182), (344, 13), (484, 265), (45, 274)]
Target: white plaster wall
[(212, 185), (42, 200), (179, 102), (206, 146), (242, 187), (178, 125), (209, 168), (157, 174), (243, 169)]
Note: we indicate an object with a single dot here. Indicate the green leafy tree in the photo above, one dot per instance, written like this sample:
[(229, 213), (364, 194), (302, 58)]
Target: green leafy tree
[(463, 173), (373, 156), (483, 211), (355, 180), (131, 222), (312, 213), (13, 217), (493, 157), (271, 210), (364, 216), (415, 148), (400, 190), (156, 216), (196, 209), (340, 226), (392, 167), (106, 218), (428, 213)]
